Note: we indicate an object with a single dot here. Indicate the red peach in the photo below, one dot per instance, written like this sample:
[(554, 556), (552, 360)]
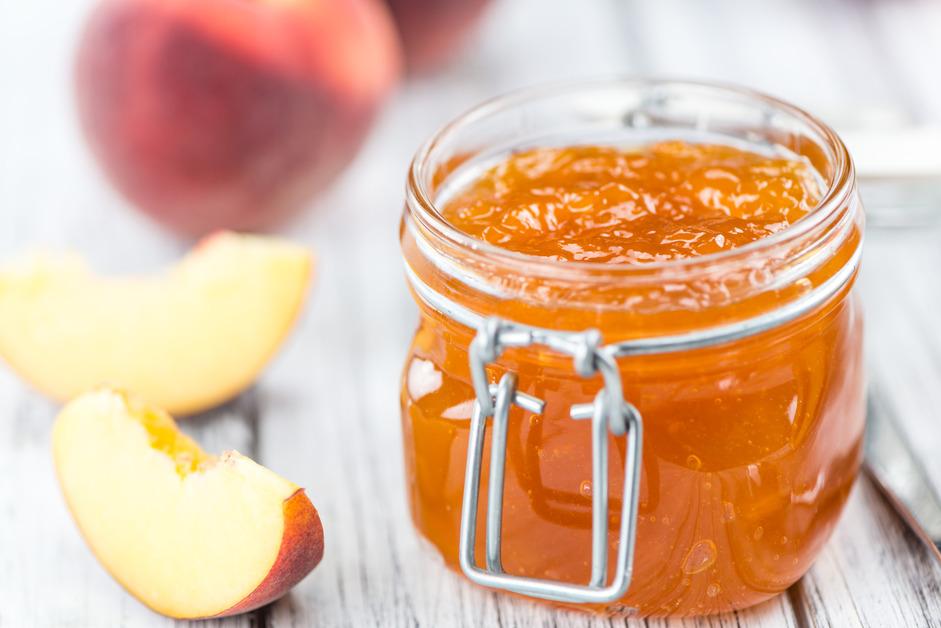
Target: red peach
[(432, 31), (213, 114)]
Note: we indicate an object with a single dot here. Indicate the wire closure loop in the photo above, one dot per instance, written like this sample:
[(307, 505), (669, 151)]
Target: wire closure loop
[(608, 411)]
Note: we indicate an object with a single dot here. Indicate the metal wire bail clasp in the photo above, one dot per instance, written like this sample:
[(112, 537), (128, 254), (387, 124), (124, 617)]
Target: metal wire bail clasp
[(608, 411)]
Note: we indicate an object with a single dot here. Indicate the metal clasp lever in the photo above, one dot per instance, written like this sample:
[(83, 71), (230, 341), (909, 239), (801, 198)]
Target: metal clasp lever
[(607, 411)]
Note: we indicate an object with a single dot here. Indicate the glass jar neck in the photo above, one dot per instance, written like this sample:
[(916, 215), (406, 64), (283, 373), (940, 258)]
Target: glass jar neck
[(797, 269)]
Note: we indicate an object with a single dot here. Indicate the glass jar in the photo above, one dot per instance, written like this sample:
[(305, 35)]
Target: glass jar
[(738, 376)]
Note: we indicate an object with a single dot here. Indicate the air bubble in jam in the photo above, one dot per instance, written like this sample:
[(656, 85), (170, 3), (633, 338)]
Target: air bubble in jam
[(665, 201), (700, 557), (728, 511), (585, 488)]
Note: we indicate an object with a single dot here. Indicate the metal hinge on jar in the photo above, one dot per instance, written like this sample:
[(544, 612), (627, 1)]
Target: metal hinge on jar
[(609, 411)]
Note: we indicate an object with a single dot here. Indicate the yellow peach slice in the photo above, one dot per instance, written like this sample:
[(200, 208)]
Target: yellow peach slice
[(185, 340), (189, 534)]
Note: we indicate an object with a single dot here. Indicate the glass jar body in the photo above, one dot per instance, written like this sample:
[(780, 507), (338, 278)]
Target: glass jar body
[(750, 450)]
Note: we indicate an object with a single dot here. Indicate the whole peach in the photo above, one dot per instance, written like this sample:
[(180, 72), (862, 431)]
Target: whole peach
[(215, 114)]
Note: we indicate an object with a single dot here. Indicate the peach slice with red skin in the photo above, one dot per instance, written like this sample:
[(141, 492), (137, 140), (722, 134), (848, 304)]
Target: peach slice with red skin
[(185, 340), (189, 534)]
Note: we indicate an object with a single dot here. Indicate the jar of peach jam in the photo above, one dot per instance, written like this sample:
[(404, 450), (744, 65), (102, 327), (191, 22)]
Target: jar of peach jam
[(636, 386)]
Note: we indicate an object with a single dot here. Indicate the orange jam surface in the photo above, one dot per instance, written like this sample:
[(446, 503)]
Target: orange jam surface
[(662, 202), (750, 447)]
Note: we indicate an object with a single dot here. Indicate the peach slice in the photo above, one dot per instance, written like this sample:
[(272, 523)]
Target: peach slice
[(189, 534), (185, 340)]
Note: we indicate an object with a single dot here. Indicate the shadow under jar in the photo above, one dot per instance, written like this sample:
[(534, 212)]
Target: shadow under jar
[(736, 375)]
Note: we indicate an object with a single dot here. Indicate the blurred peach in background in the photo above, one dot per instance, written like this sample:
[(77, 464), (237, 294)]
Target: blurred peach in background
[(213, 113)]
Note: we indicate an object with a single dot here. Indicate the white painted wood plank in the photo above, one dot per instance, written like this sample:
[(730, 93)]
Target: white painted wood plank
[(874, 572), (850, 62), (907, 34), (777, 46), (902, 293)]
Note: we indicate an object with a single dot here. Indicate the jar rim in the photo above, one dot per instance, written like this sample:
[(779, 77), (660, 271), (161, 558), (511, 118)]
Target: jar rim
[(421, 206)]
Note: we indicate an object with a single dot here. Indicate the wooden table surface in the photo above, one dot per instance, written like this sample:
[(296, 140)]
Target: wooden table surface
[(325, 414)]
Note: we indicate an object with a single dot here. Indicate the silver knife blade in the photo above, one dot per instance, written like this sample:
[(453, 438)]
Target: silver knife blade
[(899, 474)]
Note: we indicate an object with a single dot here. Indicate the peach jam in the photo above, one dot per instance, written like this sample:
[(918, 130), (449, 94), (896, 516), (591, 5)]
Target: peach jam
[(669, 200), (708, 238)]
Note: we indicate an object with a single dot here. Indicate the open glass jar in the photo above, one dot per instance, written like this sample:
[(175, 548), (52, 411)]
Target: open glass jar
[(668, 438)]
